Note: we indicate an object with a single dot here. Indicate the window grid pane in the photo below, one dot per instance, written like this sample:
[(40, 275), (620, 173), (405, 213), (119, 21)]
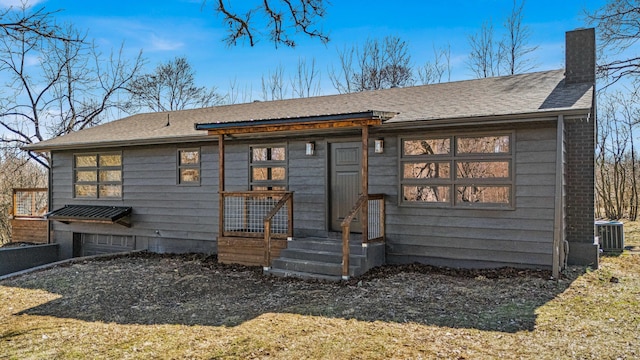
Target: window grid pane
[(86, 176), (440, 146), (189, 175), (189, 157), (111, 190), (86, 161), (427, 193), (483, 145), (86, 191), (98, 175), (268, 168), (189, 166), (482, 170), (498, 195), (431, 170), (426, 170), (110, 160)]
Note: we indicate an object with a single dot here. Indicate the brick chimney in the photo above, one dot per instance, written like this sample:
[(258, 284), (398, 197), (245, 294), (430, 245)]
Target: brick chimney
[(580, 58)]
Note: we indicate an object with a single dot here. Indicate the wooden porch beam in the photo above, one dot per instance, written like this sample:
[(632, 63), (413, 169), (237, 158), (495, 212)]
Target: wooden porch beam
[(320, 125), (220, 184), (365, 182)]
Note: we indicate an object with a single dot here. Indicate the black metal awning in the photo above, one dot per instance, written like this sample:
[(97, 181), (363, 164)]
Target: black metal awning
[(92, 214)]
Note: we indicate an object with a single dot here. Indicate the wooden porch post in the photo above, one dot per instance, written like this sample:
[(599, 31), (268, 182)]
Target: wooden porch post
[(220, 184), (365, 183)]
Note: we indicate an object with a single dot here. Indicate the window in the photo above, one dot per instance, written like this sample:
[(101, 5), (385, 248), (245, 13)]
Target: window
[(98, 175), (268, 168), (471, 171), (189, 166)]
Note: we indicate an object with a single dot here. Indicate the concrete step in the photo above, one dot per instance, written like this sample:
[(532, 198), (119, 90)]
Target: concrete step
[(321, 256), (302, 275), (327, 245), (318, 258), (312, 267)]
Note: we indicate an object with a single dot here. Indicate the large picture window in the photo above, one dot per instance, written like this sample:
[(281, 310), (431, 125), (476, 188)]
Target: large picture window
[(268, 168), (189, 166), (461, 171), (98, 175)]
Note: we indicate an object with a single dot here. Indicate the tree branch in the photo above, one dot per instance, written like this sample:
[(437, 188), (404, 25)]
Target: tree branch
[(283, 18)]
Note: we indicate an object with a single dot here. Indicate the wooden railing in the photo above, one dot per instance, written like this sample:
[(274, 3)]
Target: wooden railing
[(268, 221), (257, 215), (244, 212), (372, 218), (29, 203)]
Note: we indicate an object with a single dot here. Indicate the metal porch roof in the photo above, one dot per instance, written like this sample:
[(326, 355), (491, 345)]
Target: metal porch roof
[(91, 213)]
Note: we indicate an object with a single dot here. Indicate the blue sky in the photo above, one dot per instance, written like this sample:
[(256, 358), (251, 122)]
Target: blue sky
[(166, 29)]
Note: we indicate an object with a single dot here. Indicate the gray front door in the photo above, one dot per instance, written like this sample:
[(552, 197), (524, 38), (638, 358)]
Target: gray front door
[(345, 183)]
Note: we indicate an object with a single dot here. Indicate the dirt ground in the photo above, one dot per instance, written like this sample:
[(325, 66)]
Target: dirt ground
[(195, 290)]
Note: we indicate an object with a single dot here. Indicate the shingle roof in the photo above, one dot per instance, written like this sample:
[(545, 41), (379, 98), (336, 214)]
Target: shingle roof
[(531, 93)]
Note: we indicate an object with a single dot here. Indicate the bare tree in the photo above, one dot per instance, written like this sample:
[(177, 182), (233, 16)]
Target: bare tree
[(342, 78), (306, 81), (611, 177), (510, 54), (283, 18), (616, 168), (274, 86), (618, 25), (70, 85), (237, 95), (515, 45), (628, 114), (397, 70), (15, 21), (171, 87), (379, 64), (486, 54), (433, 71)]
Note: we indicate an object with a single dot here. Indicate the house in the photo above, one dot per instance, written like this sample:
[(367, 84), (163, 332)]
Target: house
[(480, 173)]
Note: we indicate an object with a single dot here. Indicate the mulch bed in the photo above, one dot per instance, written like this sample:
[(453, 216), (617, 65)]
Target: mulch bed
[(194, 289)]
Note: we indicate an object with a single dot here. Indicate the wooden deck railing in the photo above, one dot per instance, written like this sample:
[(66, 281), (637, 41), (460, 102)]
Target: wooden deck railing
[(27, 215), (244, 213), (269, 220), (257, 214), (29, 202), (373, 220)]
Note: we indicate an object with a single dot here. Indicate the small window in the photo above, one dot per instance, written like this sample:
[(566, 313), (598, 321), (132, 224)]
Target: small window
[(98, 175), (268, 168), (441, 146), (189, 166), (461, 171)]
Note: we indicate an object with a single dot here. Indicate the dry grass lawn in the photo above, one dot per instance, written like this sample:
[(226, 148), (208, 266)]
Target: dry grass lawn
[(168, 307)]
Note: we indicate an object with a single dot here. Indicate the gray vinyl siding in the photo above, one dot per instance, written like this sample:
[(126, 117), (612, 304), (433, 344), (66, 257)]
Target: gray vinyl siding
[(477, 237), (236, 167), (306, 177), (308, 181), (166, 217), (172, 218)]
